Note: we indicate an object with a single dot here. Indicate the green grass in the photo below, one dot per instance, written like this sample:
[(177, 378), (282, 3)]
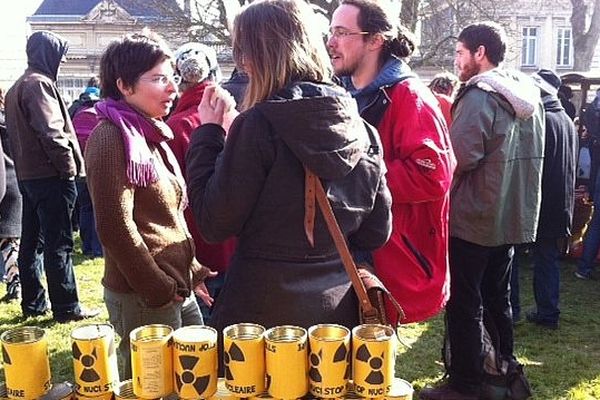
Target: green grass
[(562, 364)]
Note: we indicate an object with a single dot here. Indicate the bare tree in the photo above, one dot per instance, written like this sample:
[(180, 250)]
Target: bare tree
[(585, 41)]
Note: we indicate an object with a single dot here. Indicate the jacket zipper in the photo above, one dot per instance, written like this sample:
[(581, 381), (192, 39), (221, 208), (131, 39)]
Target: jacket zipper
[(422, 261)]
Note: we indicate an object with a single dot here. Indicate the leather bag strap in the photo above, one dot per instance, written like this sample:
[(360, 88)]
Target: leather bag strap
[(339, 240)]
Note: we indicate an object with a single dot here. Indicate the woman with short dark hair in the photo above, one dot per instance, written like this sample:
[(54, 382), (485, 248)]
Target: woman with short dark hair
[(138, 194)]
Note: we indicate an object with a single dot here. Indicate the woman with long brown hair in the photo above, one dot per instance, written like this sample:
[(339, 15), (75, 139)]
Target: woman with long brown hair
[(251, 183)]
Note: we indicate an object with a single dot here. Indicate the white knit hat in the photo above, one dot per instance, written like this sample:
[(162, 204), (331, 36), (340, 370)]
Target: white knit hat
[(196, 62)]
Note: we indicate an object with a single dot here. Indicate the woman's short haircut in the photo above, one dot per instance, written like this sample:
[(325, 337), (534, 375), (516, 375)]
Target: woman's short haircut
[(278, 43), (128, 58), (487, 34)]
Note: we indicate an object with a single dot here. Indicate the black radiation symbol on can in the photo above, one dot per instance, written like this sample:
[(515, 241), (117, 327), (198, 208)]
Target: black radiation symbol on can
[(5, 356), (233, 354), (375, 377), (87, 360), (341, 355), (187, 377)]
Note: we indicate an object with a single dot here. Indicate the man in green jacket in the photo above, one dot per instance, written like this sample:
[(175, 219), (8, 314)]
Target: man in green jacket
[(498, 139)]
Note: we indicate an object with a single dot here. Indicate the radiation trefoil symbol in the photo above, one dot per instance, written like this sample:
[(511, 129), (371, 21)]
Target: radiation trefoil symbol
[(341, 355), (233, 354), (88, 374), (375, 377), (187, 377)]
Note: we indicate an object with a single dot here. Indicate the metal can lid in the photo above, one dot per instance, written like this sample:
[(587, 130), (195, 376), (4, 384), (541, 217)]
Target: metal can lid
[(92, 331), (105, 396), (263, 395), (124, 391), (59, 391), (400, 389)]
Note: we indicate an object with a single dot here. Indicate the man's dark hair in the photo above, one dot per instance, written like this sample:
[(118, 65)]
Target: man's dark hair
[(374, 19), (487, 34), (94, 81)]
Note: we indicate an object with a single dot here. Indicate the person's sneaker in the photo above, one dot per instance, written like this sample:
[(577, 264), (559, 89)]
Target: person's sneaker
[(533, 317), (33, 314), (582, 276), (445, 392), (13, 290), (78, 316)]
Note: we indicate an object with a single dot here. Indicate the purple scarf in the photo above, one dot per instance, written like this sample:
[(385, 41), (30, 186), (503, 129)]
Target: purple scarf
[(136, 131)]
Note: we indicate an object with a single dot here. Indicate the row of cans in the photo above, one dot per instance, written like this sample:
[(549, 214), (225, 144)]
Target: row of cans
[(288, 362), (401, 390)]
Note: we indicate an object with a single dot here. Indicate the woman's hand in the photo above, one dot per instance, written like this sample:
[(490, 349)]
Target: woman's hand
[(216, 106), (202, 292)]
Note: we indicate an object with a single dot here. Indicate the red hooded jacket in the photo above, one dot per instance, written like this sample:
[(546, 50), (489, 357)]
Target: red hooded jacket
[(413, 264), (183, 121)]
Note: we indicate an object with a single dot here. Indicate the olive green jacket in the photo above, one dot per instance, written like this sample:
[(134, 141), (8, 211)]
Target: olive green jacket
[(498, 139)]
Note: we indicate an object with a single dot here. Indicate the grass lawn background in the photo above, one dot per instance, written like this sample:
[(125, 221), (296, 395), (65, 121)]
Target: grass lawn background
[(561, 364)]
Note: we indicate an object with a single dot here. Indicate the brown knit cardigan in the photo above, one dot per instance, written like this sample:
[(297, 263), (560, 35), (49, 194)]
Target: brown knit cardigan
[(147, 247)]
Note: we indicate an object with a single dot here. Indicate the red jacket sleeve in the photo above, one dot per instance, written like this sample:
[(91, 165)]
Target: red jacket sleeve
[(416, 144)]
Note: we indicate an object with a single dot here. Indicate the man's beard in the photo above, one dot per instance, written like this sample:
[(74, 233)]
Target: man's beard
[(468, 71)]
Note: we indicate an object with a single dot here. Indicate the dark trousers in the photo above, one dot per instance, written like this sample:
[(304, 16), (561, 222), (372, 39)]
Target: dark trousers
[(480, 278), (87, 224), (546, 279), (47, 242)]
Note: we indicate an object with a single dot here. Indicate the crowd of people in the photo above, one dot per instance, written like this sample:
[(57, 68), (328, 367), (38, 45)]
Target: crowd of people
[(199, 192)]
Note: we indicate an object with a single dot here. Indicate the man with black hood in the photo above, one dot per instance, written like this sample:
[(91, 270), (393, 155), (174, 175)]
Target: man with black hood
[(47, 161)]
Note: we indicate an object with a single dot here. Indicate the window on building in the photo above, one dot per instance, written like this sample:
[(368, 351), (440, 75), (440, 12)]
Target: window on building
[(529, 49), (564, 48)]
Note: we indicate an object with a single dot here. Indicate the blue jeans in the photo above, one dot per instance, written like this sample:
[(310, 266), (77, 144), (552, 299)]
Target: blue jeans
[(47, 243), (127, 311), (591, 243), (546, 279), (480, 278), (87, 224)]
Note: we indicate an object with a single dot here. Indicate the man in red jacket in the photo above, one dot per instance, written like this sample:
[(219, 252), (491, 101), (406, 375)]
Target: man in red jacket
[(366, 49)]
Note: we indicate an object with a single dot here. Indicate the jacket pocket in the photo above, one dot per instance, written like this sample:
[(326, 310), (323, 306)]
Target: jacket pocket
[(421, 260)]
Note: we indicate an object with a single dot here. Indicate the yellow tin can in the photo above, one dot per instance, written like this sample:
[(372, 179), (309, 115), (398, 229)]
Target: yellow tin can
[(244, 359), (152, 361), (262, 396), (195, 363), (373, 359), (26, 363), (94, 360), (222, 392), (329, 360), (286, 362)]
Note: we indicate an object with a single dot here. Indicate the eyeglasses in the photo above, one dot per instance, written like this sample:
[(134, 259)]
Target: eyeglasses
[(163, 80), (341, 33)]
